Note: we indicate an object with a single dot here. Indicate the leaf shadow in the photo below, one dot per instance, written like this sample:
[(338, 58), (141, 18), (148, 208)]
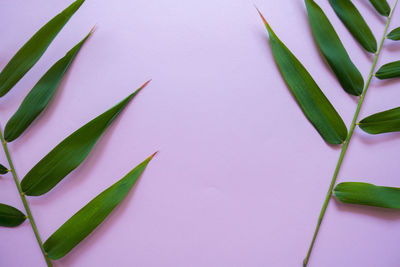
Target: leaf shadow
[(334, 147), (93, 238), (372, 10), (386, 82), (381, 213), (392, 46), (377, 139), (354, 98), (367, 54)]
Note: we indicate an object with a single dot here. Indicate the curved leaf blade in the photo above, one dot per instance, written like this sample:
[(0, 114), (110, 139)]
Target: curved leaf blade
[(34, 48), (314, 104), (10, 216), (71, 152), (82, 223), (368, 194), (394, 35), (40, 95), (355, 23), (3, 169), (389, 71), (382, 122), (381, 6), (333, 50)]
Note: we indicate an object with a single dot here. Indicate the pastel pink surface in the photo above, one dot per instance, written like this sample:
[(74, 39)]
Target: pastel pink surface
[(241, 175)]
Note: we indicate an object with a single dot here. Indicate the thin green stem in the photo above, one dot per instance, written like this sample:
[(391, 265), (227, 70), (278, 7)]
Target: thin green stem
[(349, 136), (23, 198)]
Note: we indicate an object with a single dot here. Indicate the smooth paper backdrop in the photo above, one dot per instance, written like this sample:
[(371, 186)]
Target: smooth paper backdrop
[(241, 174)]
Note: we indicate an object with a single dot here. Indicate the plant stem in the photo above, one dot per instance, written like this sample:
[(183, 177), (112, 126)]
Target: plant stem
[(349, 136), (23, 198)]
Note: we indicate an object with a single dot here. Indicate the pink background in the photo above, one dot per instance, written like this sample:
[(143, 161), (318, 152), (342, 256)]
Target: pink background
[(241, 175)]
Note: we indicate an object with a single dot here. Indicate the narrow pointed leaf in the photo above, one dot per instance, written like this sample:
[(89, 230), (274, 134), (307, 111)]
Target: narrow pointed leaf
[(389, 71), (70, 153), (82, 223), (368, 194), (381, 6), (32, 50), (382, 122), (394, 35), (355, 23), (333, 50), (39, 97), (3, 169), (10, 216), (308, 95)]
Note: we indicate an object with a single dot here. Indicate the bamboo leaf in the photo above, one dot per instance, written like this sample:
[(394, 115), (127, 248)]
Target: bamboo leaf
[(41, 94), (10, 216), (355, 23), (382, 122), (389, 70), (368, 194), (3, 169), (381, 6), (308, 95), (394, 35), (82, 223), (71, 152), (32, 50), (333, 50)]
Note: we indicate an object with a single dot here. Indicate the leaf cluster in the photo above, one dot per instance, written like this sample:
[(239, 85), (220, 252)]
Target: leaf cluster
[(318, 109), (70, 152)]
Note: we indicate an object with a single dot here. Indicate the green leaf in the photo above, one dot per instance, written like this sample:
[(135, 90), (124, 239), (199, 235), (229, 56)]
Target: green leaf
[(70, 153), (82, 223), (308, 95), (355, 23), (394, 35), (381, 6), (39, 97), (333, 50), (32, 50), (382, 122), (3, 169), (10, 216), (389, 70), (368, 194)]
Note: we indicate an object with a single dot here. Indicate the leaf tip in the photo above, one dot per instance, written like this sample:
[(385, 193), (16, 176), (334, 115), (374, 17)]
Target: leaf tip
[(152, 156), (146, 83), (92, 29), (143, 86), (262, 17)]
